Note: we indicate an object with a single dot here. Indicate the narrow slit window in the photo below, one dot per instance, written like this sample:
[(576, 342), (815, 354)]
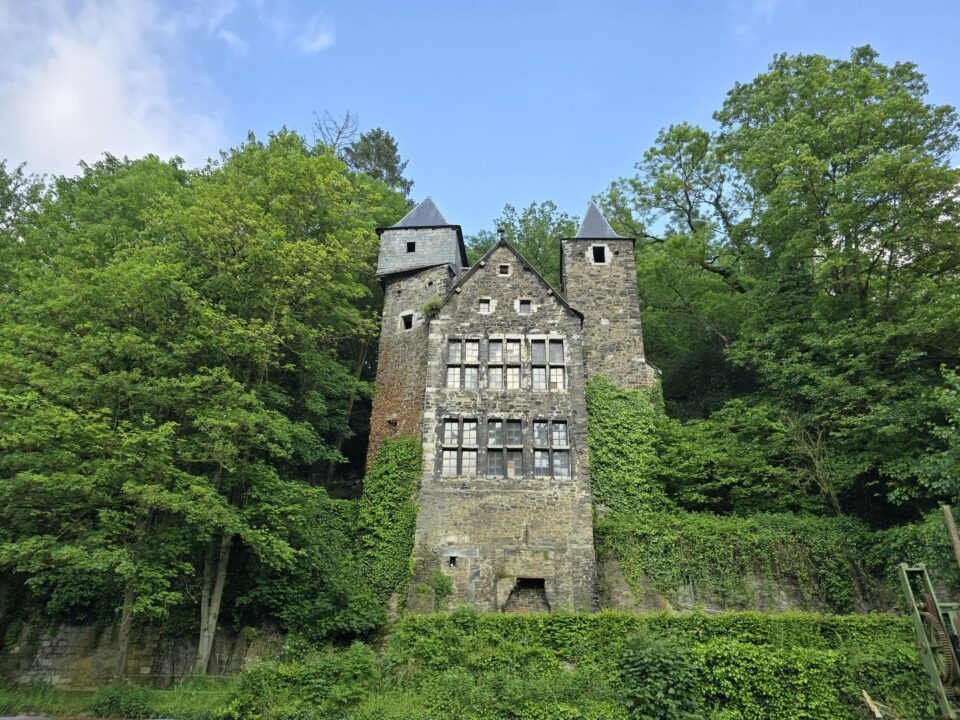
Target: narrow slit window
[(411, 246), (599, 254), (407, 319)]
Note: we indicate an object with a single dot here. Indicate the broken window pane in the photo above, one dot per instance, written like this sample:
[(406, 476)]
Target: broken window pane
[(450, 434), (514, 432), (557, 379), (514, 463), (494, 432)]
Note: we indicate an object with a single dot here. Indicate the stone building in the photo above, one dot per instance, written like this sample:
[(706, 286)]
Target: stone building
[(487, 366)]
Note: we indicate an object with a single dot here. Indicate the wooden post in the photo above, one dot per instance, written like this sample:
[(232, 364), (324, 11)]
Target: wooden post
[(952, 529)]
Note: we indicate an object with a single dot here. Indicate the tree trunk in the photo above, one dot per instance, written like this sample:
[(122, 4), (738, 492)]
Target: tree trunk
[(211, 595), (123, 634)]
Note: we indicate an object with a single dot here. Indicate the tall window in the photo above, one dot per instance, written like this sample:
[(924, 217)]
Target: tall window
[(551, 449), (512, 358), (463, 364), (458, 456), (504, 448), (495, 365), (548, 367)]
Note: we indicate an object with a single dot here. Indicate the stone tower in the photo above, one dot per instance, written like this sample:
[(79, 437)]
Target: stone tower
[(419, 258), (599, 274)]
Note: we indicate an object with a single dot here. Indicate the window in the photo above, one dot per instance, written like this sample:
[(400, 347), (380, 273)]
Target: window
[(407, 320), (496, 351), (547, 363), (514, 463), (503, 269), (495, 377), (459, 454), (453, 376), (470, 376), (411, 246), (485, 306), (470, 432), (513, 378), (513, 351), (452, 561), (472, 354), (600, 253), (551, 453), (454, 351), (504, 461), (449, 468), (524, 307)]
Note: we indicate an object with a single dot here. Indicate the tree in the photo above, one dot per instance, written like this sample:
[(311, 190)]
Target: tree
[(535, 231)]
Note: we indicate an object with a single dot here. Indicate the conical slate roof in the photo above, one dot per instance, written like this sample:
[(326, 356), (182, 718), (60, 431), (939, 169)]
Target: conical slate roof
[(426, 214), (595, 226)]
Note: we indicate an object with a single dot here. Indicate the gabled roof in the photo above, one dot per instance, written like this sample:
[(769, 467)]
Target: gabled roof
[(595, 226), (483, 261), (426, 214)]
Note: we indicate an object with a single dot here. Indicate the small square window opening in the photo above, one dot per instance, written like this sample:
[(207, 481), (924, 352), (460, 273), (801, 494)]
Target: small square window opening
[(407, 319), (452, 561), (412, 246), (503, 269), (524, 307), (485, 305)]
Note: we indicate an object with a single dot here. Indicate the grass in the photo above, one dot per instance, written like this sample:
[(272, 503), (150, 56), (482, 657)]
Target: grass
[(193, 699)]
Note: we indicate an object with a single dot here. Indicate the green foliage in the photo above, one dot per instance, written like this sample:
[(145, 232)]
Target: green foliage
[(122, 700), (535, 232), (442, 586), (432, 307), (658, 679), (321, 685), (388, 515)]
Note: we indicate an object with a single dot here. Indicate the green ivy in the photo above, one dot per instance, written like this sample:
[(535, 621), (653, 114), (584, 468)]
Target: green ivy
[(388, 514)]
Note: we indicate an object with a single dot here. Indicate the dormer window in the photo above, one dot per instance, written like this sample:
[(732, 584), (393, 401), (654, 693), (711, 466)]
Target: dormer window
[(411, 246), (599, 254)]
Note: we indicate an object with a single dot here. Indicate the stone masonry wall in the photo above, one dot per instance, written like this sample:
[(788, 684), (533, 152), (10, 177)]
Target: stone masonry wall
[(607, 296), (434, 246), (83, 656), (486, 532), (398, 402)]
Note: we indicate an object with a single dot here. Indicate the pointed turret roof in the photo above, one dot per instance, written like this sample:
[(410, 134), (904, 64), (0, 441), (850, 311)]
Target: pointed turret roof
[(426, 214), (595, 226)]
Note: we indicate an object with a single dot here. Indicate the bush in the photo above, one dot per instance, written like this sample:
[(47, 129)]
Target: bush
[(659, 680), (122, 699)]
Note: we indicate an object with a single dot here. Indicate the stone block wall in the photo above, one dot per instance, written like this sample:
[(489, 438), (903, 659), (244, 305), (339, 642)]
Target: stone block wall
[(484, 532)]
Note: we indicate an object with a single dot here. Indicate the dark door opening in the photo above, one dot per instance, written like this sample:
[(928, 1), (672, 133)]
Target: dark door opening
[(527, 595)]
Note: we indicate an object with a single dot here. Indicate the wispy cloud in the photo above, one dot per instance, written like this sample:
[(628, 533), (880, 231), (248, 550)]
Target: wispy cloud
[(80, 79), (236, 43), (318, 35)]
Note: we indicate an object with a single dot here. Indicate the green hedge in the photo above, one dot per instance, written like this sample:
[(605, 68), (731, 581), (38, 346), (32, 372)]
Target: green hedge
[(468, 666)]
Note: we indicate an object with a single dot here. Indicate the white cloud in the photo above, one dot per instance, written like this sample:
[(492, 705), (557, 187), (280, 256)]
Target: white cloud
[(237, 43), (80, 79), (317, 36)]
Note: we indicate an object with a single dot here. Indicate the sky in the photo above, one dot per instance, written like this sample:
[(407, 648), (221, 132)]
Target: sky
[(491, 102)]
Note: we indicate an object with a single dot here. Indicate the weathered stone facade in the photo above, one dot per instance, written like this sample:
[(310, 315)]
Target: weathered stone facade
[(493, 381)]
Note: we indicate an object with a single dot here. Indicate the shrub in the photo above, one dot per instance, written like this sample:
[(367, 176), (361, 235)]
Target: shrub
[(659, 681), (122, 699)]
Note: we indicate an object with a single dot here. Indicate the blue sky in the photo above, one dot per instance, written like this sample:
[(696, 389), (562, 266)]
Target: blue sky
[(491, 102)]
